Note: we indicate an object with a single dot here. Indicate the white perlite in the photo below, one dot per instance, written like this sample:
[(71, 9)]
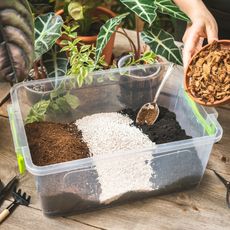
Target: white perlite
[(106, 133), (110, 132)]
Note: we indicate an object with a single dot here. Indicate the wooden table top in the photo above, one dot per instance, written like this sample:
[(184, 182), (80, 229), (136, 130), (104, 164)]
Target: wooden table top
[(201, 208)]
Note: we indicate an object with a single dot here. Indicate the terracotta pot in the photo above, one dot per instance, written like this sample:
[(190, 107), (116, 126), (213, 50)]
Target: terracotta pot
[(225, 44), (108, 50)]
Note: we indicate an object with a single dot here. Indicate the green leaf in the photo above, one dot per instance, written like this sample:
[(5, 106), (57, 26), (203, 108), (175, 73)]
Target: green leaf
[(129, 21), (75, 10), (106, 32), (55, 62), (162, 43), (72, 100), (62, 104), (168, 7), (37, 112), (47, 31), (145, 9), (16, 40)]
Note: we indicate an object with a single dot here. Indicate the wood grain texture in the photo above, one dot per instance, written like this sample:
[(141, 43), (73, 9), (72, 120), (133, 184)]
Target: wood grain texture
[(220, 157), (27, 218), (200, 208)]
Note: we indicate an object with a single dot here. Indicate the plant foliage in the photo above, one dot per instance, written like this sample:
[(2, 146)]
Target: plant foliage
[(59, 102), (55, 62), (167, 7), (163, 44), (47, 31), (145, 9), (82, 57), (16, 40), (106, 32)]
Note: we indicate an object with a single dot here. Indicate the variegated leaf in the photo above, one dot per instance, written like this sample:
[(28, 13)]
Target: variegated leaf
[(16, 40), (168, 7), (106, 32), (162, 43), (47, 31), (145, 9), (55, 62)]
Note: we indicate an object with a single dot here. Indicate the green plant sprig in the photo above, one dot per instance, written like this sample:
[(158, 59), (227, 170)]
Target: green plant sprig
[(81, 56), (57, 103), (148, 57)]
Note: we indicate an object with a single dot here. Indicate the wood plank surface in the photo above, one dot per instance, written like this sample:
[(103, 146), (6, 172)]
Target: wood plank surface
[(24, 218), (220, 157)]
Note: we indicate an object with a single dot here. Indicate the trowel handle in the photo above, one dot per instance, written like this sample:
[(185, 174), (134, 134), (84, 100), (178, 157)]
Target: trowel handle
[(165, 78)]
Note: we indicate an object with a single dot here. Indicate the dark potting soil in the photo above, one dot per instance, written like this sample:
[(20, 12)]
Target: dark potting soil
[(165, 129), (52, 143)]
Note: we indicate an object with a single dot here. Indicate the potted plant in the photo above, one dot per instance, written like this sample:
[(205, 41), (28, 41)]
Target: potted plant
[(51, 61), (90, 16), (160, 42), (48, 60), (54, 98)]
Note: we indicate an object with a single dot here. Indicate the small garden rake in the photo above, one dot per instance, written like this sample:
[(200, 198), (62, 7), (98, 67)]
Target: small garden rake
[(19, 199)]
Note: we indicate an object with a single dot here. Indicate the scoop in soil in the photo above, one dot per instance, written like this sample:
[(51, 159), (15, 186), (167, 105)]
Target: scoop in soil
[(149, 112)]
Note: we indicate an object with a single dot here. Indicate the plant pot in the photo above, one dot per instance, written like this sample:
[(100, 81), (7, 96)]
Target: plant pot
[(35, 95), (88, 40), (138, 87)]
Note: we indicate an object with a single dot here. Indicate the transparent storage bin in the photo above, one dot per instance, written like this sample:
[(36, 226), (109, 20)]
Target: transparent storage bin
[(74, 186)]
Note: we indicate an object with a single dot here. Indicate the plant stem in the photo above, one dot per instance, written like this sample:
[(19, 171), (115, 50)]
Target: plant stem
[(127, 36), (130, 40), (138, 54), (59, 12), (36, 73), (42, 69), (139, 28)]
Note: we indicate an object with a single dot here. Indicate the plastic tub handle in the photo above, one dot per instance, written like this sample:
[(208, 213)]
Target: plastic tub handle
[(20, 158)]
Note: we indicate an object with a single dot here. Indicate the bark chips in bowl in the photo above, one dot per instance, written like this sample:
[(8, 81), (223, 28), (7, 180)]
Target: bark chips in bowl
[(207, 78)]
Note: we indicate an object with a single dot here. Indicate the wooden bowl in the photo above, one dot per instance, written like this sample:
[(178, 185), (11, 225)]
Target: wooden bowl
[(225, 44)]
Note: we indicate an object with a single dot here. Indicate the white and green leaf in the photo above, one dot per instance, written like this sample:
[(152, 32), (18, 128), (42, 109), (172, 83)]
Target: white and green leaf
[(105, 34), (145, 9), (47, 31), (76, 10), (72, 100), (162, 43), (168, 7), (37, 112), (55, 62)]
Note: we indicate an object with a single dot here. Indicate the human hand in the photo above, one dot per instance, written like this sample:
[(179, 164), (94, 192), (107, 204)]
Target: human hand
[(203, 25)]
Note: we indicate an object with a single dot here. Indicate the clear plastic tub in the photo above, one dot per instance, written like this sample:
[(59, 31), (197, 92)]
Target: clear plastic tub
[(75, 186)]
